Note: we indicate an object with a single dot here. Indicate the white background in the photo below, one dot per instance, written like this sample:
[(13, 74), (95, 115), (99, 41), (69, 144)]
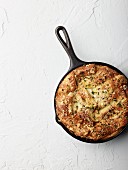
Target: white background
[(32, 62)]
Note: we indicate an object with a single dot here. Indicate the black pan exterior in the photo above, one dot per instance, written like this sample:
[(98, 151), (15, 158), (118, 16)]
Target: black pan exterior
[(75, 62)]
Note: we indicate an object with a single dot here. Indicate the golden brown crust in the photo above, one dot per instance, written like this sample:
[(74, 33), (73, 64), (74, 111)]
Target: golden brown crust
[(92, 102)]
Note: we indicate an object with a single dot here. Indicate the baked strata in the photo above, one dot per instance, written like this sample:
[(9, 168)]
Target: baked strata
[(92, 102)]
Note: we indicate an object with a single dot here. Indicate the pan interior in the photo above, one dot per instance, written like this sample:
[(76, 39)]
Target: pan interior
[(85, 103)]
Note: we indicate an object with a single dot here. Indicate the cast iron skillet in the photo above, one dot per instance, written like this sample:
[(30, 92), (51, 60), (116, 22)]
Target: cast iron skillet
[(74, 63)]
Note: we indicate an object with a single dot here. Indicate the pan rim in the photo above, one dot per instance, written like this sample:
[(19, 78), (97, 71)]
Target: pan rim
[(64, 127)]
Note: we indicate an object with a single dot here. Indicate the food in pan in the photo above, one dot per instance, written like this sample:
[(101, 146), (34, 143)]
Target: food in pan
[(92, 102)]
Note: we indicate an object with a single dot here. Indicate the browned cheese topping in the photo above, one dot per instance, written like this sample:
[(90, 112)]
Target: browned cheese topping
[(92, 102)]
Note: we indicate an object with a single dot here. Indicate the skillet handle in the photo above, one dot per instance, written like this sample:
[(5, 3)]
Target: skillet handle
[(74, 61)]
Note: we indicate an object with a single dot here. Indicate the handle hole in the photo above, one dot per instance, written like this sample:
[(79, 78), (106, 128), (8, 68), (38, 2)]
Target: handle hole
[(62, 35)]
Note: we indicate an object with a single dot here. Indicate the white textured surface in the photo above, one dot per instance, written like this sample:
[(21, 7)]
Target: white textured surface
[(31, 64)]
